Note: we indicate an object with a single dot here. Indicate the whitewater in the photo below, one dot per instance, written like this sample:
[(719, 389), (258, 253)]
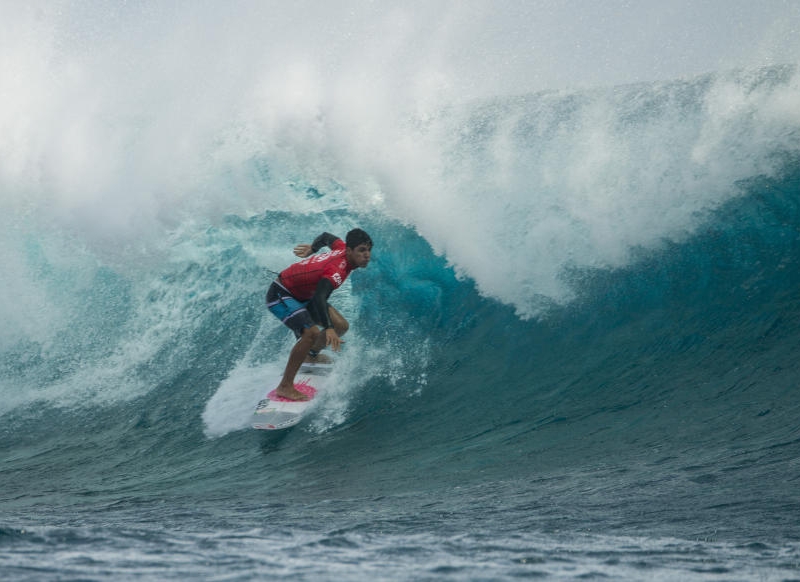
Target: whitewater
[(574, 354)]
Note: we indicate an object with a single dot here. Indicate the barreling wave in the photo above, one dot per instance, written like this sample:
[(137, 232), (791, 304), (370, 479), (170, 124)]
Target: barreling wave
[(557, 277)]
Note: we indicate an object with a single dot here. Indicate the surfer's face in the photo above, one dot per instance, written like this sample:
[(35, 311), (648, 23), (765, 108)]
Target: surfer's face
[(359, 256)]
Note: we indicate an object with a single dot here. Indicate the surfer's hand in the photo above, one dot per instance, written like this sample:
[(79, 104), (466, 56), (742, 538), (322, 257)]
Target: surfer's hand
[(303, 250), (333, 340)]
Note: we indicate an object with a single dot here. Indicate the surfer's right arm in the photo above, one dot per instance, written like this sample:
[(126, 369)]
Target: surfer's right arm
[(326, 239)]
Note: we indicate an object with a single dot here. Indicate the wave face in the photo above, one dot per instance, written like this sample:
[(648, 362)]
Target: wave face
[(582, 315)]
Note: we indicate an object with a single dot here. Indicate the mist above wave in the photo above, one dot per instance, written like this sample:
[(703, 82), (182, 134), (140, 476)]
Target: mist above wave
[(124, 124)]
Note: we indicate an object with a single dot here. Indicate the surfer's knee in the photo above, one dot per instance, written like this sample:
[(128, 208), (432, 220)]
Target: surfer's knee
[(311, 333)]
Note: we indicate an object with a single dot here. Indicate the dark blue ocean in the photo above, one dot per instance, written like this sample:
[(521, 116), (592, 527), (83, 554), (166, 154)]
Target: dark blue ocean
[(574, 355)]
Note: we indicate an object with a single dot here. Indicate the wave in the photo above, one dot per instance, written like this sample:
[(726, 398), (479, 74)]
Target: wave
[(694, 335), (559, 276)]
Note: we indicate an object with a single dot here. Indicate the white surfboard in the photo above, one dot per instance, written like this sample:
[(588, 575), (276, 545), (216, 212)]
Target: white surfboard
[(274, 412)]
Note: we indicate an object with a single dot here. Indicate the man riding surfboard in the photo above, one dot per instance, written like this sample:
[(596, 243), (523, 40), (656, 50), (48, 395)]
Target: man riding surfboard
[(299, 298)]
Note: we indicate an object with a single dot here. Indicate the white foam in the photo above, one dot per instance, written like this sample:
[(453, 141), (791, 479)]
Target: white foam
[(231, 407)]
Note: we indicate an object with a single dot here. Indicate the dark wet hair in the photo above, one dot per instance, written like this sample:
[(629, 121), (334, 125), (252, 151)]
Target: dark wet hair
[(357, 237)]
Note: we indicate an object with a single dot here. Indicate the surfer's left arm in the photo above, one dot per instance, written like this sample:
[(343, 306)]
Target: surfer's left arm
[(318, 307), (326, 239)]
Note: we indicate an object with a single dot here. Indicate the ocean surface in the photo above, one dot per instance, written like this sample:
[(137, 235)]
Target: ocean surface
[(574, 355)]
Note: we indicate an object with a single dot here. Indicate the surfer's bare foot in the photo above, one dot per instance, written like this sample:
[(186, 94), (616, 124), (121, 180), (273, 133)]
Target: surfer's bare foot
[(290, 392), (318, 359)]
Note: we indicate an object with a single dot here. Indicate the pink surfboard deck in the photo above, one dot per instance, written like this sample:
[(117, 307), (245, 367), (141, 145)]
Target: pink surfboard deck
[(303, 387), (275, 412)]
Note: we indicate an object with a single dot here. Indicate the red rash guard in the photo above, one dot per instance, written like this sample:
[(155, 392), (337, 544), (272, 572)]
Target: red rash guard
[(301, 279)]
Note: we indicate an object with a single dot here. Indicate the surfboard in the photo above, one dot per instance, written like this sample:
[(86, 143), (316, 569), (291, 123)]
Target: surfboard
[(275, 412)]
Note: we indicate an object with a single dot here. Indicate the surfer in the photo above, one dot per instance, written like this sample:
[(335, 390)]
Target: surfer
[(299, 298)]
